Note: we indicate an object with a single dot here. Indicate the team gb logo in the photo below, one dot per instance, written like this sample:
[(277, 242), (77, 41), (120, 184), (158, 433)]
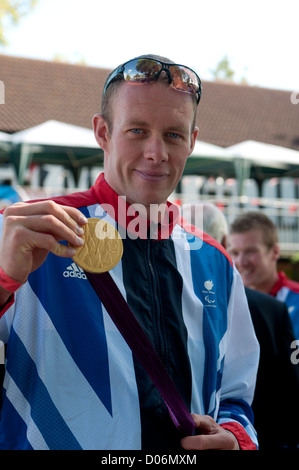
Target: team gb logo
[(209, 285)]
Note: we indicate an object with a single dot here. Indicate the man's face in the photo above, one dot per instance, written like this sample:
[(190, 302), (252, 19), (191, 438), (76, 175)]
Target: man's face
[(150, 141), (253, 259)]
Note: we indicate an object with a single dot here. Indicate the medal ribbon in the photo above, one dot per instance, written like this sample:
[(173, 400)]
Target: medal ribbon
[(142, 348)]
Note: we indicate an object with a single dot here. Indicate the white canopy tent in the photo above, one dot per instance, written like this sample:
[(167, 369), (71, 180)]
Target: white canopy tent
[(259, 153), (5, 142), (55, 142), (208, 159), (6, 171), (56, 133), (268, 160), (209, 150), (4, 137), (73, 147)]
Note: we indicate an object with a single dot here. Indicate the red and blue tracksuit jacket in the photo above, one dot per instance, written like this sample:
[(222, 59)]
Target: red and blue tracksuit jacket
[(71, 380), (287, 290)]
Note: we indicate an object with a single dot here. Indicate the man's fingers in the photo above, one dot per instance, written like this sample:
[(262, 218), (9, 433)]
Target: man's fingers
[(210, 436), (31, 231), (47, 224), (204, 423), (70, 216), (48, 243), (220, 441), (64, 223)]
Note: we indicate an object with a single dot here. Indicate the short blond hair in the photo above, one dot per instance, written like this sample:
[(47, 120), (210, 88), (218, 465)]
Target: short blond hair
[(254, 220)]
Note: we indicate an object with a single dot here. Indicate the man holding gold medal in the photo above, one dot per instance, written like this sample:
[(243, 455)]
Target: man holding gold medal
[(74, 377)]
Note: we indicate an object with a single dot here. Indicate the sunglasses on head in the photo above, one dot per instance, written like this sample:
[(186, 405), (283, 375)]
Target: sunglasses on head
[(147, 69)]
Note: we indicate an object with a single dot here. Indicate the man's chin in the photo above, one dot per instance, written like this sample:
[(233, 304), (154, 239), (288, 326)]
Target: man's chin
[(247, 281), (149, 199)]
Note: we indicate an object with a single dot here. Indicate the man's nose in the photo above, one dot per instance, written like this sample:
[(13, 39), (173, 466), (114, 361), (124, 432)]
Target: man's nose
[(155, 150)]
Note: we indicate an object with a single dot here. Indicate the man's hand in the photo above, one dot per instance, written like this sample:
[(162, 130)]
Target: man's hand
[(31, 231), (210, 436)]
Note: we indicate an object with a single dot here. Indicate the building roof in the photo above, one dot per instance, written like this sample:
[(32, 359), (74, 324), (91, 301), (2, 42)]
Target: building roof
[(37, 91)]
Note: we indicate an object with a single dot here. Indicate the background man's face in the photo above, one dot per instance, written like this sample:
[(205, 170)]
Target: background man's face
[(254, 260)]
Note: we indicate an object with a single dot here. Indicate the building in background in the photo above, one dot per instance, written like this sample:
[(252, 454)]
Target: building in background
[(40, 92)]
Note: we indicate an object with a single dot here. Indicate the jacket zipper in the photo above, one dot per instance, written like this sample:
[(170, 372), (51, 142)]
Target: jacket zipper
[(159, 341)]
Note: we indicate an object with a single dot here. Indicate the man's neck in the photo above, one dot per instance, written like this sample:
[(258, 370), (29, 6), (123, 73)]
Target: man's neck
[(136, 218)]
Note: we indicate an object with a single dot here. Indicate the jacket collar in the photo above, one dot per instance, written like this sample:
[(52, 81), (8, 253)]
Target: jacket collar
[(129, 218)]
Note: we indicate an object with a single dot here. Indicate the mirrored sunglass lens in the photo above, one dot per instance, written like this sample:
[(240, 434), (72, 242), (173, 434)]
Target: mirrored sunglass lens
[(184, 79), (141, 70)]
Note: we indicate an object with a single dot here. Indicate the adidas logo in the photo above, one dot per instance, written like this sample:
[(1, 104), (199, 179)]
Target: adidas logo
[(74, 271)]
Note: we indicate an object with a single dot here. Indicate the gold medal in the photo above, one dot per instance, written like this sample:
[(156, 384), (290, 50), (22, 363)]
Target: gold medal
[(102, 249)]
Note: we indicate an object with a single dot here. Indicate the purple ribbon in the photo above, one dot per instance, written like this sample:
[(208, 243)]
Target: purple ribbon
[(142, 348)]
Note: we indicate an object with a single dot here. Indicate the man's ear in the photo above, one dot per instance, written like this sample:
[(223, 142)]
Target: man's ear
[(276, 251), (224, 242), (100, 129), (193, 139)]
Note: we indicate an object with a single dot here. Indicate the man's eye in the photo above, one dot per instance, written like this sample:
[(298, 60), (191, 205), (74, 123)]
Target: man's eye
[(136, 131), (174, 135)]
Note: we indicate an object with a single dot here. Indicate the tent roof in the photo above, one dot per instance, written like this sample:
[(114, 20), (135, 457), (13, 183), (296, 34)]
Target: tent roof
[(4, 137), (210, 151), (57, 134), (57, 143), (265, 154), (5, 146), (247, 159), (207, 159)]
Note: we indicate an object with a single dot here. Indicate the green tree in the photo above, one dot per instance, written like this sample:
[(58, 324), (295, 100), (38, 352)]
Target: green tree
[(10, 13), (223, 71)]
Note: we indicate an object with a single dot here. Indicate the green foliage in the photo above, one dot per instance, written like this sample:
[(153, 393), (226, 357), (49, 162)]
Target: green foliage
[(295, 258), (10, 13), (223, 70)]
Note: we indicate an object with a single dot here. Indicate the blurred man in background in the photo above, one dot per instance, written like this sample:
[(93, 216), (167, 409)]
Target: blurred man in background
[(254, 247), (277, 386)]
